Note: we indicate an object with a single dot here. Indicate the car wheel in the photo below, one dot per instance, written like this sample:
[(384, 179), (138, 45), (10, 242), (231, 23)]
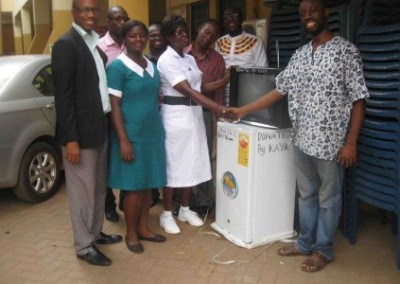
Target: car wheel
[(39, 174)]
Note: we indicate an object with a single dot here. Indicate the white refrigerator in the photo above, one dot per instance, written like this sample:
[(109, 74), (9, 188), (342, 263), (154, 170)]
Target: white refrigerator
[(255, 184)]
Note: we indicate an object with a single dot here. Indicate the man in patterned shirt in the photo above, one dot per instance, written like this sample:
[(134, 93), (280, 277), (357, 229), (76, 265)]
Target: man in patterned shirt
[(212, 66), (326, 90), (239, 48)]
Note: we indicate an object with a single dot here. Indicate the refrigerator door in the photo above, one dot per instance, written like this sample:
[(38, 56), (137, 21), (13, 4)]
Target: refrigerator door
[(234, 181), (275, 186), (255, 184)]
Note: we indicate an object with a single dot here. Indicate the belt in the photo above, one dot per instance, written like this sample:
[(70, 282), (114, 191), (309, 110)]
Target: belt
[(186, 101)]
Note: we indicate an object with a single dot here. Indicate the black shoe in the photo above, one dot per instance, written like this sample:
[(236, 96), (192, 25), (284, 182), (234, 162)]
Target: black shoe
[(156, 238), (111, 215), (136, 248), (108, 239), (95, 257)]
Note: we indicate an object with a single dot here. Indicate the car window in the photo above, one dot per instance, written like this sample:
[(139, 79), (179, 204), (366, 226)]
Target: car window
[(43, 83)]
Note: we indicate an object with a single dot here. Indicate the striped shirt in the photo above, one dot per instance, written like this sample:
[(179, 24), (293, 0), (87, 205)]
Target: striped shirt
[(212, 65)]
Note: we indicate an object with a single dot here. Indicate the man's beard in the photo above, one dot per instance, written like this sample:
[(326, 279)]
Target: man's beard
[(320, 27)]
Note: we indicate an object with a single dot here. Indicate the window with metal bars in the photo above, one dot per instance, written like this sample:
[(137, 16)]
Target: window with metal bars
[(199, 13)]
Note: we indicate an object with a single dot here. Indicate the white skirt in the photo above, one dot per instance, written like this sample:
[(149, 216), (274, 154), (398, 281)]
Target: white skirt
[(188, 163)]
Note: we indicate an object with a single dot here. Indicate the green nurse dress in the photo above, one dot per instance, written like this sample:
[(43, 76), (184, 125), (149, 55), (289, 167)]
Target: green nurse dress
[(139, 90)]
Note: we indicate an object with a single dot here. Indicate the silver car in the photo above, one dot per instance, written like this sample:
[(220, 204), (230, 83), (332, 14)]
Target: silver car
[(30, 161)]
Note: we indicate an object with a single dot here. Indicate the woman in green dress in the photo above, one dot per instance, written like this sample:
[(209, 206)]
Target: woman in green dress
[(137, 149)]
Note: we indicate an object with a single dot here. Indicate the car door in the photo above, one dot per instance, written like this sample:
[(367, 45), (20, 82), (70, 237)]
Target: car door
[(43, 83)]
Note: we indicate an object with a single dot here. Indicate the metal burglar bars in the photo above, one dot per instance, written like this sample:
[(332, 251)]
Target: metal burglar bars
[(376, 177), (374, 25), (284, 37), (286, 33)]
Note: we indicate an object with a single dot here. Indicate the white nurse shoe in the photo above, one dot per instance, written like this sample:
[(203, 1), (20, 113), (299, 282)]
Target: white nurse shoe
[(191, 217), (168, 223)]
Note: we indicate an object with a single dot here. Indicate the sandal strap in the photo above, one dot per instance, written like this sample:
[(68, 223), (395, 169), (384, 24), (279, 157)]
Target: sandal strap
[(290, 251), (314, 265), (322, 257)]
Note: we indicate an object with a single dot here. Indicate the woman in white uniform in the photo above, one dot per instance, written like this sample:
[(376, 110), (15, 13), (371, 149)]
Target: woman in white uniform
[(188, 162)]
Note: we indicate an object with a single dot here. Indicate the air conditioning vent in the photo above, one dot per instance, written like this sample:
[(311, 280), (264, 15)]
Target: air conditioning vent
[(256, 27)]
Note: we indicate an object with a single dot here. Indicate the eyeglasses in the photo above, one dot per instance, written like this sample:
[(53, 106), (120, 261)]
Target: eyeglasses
[(86, 10), (120, 19), (182, 33), (233, 16)]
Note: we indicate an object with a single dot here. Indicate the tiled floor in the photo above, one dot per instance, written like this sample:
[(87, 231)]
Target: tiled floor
[(36, 247)]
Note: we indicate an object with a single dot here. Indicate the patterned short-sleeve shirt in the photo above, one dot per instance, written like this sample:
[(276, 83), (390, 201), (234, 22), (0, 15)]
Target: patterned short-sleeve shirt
[(321, 89)]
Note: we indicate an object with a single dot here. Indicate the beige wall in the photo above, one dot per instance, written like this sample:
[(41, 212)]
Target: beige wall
[(17, 5), (26, 30), (25, 42), (49, 26), (39, 42), (6, 5), (60, 25), (42, 22), (18, 43)]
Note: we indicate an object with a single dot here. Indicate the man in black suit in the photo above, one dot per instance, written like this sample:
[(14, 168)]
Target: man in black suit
[(82, 103)]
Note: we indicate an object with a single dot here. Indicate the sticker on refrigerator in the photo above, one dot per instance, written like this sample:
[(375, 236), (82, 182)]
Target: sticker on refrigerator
[(243, 149), (229, 185)]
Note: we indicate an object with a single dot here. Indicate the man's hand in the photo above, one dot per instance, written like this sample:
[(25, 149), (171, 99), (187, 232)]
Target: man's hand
[(72, 153), (347, 155), (232, 114)]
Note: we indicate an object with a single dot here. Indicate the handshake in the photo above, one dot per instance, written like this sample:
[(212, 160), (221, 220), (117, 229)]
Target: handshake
[(230, 114)]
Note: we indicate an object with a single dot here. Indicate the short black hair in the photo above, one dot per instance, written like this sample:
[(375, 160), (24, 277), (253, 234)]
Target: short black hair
[(210, 21), (130, 25), (323, 3), (235, 10), (170, 24), (112, 9)]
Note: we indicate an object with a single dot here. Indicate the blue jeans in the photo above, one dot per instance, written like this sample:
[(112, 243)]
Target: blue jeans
[(320, 185)]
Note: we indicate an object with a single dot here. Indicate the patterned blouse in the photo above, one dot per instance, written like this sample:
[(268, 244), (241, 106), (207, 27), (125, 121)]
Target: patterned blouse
[(245, 50), (322, 88)]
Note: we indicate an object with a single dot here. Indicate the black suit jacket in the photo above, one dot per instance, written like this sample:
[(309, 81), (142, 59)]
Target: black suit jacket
[(79, 110)]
